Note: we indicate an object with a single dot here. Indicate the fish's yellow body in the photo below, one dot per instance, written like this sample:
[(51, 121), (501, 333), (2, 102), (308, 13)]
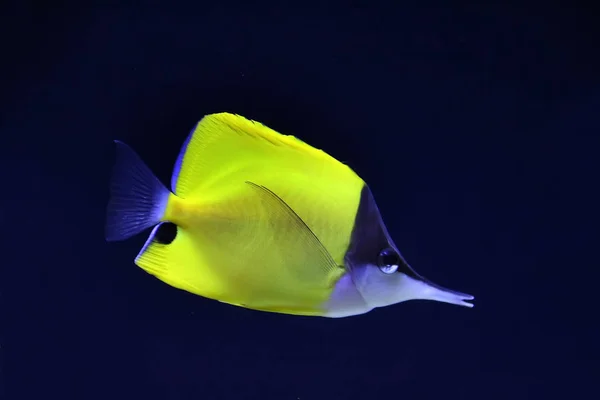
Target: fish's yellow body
[(264, 221), (235, 242)]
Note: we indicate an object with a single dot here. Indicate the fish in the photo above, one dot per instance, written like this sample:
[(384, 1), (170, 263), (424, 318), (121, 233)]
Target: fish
[(265, 221)]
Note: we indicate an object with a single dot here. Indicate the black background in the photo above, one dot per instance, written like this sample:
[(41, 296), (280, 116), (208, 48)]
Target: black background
[(475, 125)]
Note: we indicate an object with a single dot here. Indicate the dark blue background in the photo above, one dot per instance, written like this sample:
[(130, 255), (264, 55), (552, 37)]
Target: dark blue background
[(475, 126)]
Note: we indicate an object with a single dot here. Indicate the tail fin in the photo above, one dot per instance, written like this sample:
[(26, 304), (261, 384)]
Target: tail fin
[(137, 198)]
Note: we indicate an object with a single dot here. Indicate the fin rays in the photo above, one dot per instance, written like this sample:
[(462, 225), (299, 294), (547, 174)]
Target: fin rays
[(299, 222), (137, 198)]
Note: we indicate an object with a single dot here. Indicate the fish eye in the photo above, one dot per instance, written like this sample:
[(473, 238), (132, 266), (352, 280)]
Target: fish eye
[(388, 261), (166, 233)]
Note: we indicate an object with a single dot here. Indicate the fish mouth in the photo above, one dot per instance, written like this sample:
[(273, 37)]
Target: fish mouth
[(424, 289), (433, 291), (440, 293)]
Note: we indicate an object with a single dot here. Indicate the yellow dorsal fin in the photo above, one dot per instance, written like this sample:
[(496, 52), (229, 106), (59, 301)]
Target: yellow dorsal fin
[(226, 150), (225, 141)]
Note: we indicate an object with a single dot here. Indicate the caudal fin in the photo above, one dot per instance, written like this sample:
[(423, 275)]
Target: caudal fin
[(137, 198)]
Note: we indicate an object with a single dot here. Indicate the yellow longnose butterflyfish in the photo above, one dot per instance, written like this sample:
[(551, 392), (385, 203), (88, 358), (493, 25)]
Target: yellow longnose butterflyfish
[(265, 221)]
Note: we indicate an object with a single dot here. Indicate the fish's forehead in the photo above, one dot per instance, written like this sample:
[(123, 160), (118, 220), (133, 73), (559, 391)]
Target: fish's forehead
[(370, 236)]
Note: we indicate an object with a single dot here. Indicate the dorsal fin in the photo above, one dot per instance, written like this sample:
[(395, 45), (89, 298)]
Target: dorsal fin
[(223, 141)]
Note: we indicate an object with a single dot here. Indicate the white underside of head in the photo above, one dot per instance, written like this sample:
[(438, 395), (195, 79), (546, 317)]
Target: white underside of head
[(346, 300)]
